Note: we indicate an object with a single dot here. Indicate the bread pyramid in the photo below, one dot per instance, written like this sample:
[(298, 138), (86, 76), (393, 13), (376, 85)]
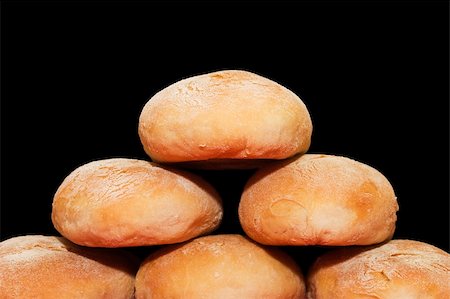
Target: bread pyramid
[(231, 119)]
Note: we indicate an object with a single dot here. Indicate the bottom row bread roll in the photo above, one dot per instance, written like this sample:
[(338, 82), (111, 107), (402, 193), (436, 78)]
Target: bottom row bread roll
[(220, 266), (43, 267), (399, 269)]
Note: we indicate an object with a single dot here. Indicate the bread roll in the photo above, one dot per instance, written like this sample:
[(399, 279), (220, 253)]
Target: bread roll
[(318, 200), (219, 267), (395, 270), (43, 267), (126, 202), (225, 119)]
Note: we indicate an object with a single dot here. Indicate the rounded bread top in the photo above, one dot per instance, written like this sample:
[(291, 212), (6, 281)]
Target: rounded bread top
[(224, 115)]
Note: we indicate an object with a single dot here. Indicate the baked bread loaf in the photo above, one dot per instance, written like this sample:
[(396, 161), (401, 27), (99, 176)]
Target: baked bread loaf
[(219, 267), (127, 202), (44, 267), (318, 200), (397, 269), (225, 119)]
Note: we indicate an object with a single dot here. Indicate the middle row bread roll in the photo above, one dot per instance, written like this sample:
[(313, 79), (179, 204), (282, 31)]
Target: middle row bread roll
[(127, 202), (318, 200)]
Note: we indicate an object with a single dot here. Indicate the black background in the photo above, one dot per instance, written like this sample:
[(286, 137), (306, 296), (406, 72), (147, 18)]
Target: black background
[(374, 75)]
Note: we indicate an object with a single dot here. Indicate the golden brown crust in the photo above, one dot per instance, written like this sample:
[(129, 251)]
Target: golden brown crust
[(224, 115), (318, 200), (219, 267), (397, 269), (127, 202), (43, 267)]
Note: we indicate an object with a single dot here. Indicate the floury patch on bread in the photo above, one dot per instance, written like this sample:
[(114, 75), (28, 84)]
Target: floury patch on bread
[(225, 119)]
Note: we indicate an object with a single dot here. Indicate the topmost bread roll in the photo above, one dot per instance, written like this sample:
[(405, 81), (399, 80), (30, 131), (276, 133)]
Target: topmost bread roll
[(225, 119)]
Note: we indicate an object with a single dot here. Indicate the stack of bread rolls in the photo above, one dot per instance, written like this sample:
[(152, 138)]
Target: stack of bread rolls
[(223, 120)]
